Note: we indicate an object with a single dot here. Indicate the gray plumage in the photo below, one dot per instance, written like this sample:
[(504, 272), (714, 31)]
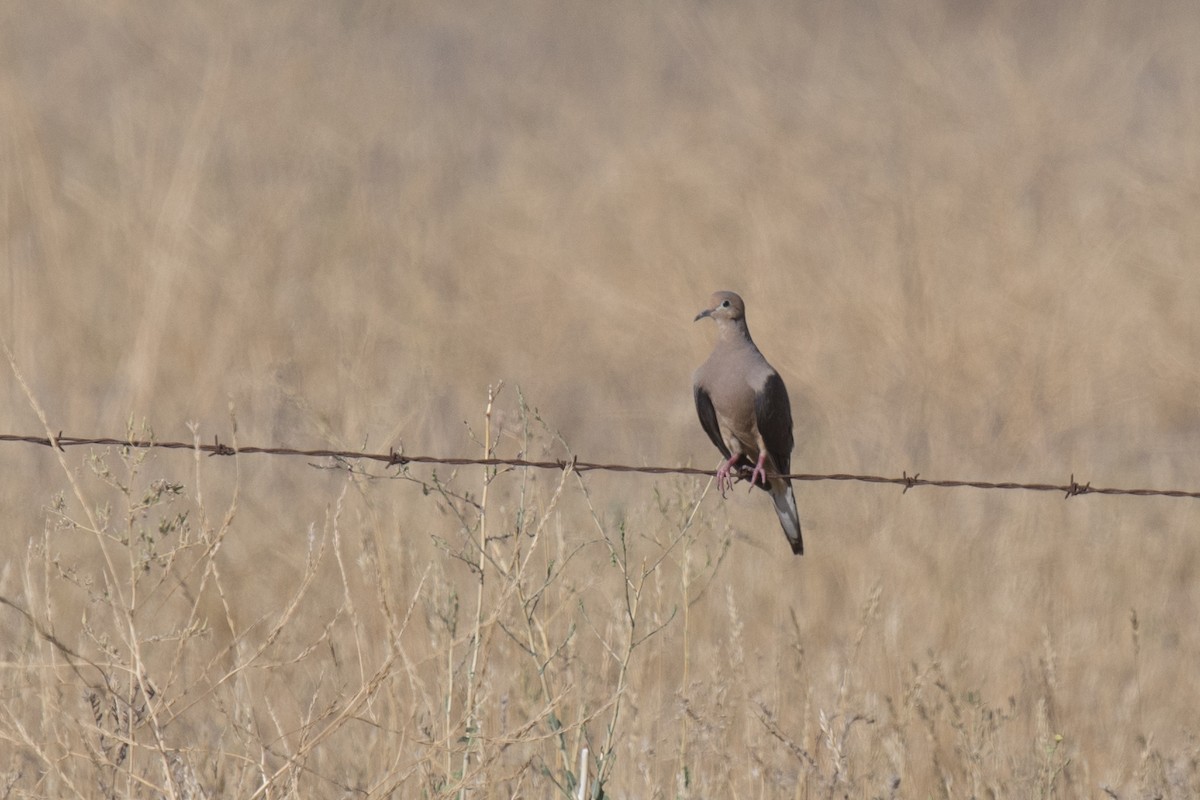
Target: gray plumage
[(743, 407)]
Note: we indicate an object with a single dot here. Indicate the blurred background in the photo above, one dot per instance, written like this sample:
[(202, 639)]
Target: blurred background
[(967, 235)]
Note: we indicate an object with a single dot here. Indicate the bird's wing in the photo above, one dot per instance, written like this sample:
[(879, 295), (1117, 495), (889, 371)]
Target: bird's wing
[(773, 415), (708, 418)]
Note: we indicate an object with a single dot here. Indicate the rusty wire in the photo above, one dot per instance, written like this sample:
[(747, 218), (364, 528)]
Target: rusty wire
[(395, 458)]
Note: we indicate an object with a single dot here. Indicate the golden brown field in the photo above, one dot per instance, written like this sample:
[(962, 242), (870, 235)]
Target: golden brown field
[(968, 235)]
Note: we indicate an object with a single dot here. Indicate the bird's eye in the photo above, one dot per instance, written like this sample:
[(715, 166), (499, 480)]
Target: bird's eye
[(725, 304)]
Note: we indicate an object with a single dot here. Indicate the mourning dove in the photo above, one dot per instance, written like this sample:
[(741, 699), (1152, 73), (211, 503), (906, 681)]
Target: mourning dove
[(743, 406)]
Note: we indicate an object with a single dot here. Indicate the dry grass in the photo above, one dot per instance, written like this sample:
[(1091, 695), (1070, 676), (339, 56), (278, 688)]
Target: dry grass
[(967, 235)]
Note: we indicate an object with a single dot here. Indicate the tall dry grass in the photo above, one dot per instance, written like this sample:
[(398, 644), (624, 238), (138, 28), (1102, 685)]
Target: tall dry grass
[(967, 237)]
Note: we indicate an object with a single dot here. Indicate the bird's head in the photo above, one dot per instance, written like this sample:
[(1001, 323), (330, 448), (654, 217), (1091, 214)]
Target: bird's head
[(724, 306)]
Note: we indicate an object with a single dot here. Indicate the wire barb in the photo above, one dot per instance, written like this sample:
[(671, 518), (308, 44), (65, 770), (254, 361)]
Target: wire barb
[(1074, 489)]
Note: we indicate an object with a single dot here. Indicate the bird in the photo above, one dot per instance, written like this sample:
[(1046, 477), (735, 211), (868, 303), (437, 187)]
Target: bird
[(744, 408)]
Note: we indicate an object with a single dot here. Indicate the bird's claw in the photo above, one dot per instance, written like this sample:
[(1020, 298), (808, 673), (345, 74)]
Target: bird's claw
[(757, 473), (724, 478)]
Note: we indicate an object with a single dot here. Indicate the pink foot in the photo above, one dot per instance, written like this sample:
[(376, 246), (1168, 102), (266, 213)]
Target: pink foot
[(759, 471), (724, 481)]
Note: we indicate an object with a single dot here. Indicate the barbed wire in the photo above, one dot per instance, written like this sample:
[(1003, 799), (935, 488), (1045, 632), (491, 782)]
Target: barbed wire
[(396, 458)]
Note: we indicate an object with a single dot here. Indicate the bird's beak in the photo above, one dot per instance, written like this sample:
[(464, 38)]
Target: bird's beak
[(705, 313)]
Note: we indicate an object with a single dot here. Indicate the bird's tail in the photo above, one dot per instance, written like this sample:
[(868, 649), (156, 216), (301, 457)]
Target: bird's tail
[(789, 517)]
